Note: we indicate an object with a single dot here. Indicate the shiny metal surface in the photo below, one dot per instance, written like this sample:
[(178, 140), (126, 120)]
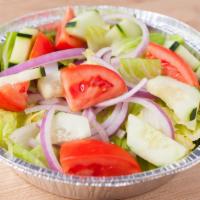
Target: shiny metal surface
[(113, 187)]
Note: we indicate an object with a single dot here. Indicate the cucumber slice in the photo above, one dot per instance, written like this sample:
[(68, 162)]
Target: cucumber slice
[(176, 38), (26, 75), (156, 37), (183, 52), (79, 25), (95, 37), (182, 98), (139, 68), (151, 144), (22, 46), (127, 28), (7, 49)]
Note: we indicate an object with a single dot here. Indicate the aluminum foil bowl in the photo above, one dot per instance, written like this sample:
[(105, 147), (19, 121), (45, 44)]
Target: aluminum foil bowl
[(113, 187)]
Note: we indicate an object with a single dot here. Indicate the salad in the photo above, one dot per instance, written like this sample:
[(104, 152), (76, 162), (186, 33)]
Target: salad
[(98, 94)]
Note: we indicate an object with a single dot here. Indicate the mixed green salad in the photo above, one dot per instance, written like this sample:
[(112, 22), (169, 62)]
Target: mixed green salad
[(98, 94)]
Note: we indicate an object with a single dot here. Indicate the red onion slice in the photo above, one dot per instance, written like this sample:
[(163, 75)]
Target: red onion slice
[(123, 97), (44, 60), (161, 122), (120, 117), (144, 94), (112, 117), (45, 139), (99, 129)]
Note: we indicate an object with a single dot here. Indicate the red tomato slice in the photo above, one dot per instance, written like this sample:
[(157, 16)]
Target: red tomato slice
[(96, 158), (14, 97), (41, 46), (86, 85), (63, 39), (173, 64)]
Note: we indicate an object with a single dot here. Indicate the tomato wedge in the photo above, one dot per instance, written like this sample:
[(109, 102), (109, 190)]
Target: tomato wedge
[(96, 158), (86, 85), (173, 65), (41, 46), (14, 97), (63, 39)]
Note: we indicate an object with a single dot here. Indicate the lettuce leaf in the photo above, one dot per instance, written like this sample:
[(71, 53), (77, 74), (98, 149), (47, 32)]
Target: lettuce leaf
[(95, 37), (145, 165), (121, 142), (125, 45), (34, 117), (35, 156), (9, 121), (157, 37), (135, 69)]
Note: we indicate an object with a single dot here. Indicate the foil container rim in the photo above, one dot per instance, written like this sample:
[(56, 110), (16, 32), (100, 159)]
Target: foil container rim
[(192, 159)]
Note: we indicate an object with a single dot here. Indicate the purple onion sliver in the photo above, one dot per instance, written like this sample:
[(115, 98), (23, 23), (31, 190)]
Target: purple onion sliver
[(107, 57), (101, 131), (121, 116), (45, 138), (44, 60), (144, 94), (111, 119)]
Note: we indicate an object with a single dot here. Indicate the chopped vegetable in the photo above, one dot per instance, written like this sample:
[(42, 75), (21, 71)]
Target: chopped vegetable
[(96, 159), (102, 94), (176, 67), (86, 85), (41, 46)]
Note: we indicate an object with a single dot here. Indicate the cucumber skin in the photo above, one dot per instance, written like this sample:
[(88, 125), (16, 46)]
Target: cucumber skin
[(7, 49)]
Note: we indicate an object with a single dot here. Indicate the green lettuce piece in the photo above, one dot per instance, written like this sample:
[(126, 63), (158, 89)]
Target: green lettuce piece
[(184, 139), (157, 37), (39, 154), (121, 142), (124, 46), (95, 37), (9, 121), (28, 156), (34, 117), (139, 68), (134, 108)]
